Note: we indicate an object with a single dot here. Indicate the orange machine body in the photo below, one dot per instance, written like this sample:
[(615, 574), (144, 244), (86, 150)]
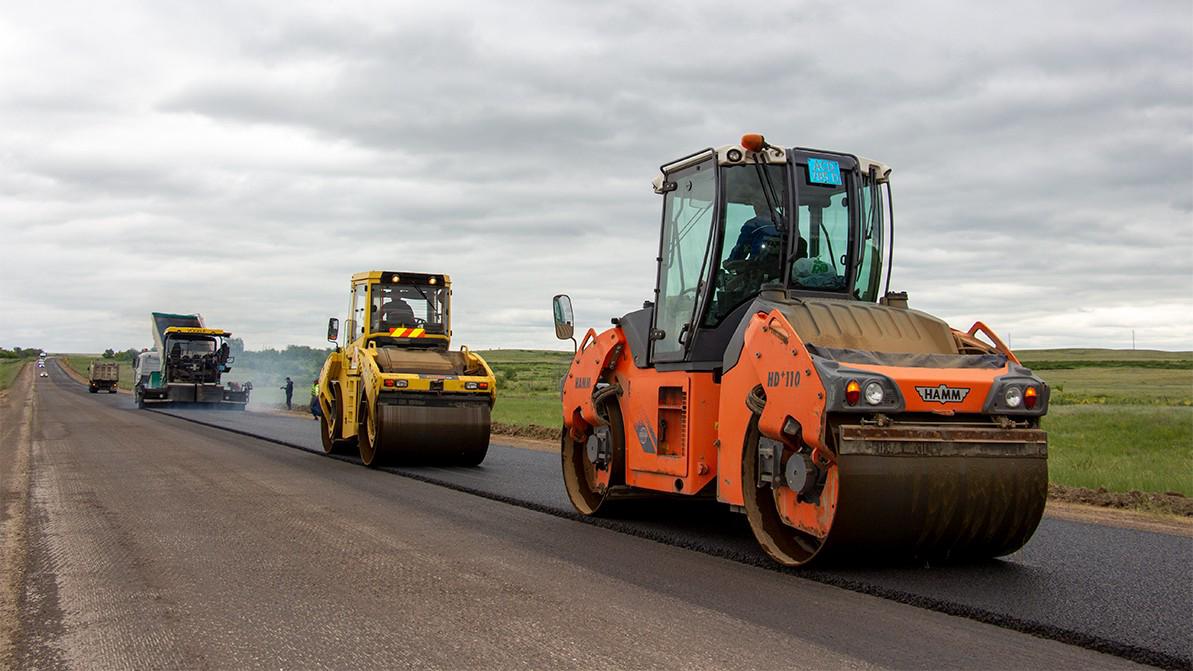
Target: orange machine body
[(684, 430), (771, 372)]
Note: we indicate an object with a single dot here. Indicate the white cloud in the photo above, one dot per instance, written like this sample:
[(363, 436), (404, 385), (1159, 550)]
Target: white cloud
[(243, 159)]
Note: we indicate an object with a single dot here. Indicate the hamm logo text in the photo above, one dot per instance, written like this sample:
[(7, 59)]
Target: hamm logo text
[(943, 394)]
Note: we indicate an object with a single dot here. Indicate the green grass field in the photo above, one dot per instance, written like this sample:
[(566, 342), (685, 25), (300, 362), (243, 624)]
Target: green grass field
[(527, 385), (1121, 448)]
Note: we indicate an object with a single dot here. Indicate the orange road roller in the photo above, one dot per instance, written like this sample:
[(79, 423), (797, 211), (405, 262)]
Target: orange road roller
[(775, 372)]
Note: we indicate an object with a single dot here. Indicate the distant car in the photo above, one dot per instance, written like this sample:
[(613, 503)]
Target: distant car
[(45, 374), (41, 364)]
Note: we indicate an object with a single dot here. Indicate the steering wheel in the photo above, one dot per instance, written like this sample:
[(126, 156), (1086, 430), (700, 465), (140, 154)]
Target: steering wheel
[(688, 295)]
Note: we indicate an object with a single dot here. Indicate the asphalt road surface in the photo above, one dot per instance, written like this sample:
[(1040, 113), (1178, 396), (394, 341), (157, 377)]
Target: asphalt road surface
[(132, 539), (1119, 590)]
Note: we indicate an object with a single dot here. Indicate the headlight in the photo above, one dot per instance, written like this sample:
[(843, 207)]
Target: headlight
[(874, 393), (401, 383), (470, 385), (1013, 396)]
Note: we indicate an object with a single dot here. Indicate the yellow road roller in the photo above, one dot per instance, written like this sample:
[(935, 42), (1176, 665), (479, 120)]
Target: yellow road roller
[(393, 388)]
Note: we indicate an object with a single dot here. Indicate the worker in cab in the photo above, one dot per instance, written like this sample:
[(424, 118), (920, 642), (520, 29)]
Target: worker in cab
[(396, 313)]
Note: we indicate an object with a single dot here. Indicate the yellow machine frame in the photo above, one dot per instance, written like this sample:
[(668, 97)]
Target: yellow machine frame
[(352, 369)]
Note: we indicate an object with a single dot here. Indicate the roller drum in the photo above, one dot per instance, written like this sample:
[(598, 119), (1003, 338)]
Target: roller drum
[(447, 435), (913, 493), (957, 507)]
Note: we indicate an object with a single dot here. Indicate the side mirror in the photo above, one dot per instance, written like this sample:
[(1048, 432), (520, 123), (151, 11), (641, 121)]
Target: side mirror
[(564, 320), (333, 329)]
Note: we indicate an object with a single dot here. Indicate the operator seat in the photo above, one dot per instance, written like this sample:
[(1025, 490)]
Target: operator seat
[(396, 313)]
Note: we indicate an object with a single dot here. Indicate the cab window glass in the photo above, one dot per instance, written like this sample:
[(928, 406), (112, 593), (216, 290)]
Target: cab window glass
[(869, 269), (687, 232), (358, 313), (397, 308), (822, 251), (751, 253)]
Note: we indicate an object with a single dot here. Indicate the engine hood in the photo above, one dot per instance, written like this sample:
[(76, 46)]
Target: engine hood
[(853, 325)]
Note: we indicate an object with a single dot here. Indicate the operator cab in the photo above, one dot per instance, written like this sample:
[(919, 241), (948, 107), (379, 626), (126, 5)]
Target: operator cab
[(196, 355), (391, 309), (748, 218)]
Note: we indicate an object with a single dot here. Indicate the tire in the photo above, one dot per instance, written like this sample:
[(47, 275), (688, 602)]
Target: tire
[(782, 543), (578, 473), (92, 389), (366, 443), (332, 445), (330, 434), (138, 399)]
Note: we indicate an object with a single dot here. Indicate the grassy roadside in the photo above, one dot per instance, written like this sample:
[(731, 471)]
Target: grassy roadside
[(1122, 448), (9, 369), (527, 386)]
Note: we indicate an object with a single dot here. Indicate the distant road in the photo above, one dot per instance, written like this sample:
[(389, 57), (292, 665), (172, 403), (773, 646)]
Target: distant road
[(135, 540)]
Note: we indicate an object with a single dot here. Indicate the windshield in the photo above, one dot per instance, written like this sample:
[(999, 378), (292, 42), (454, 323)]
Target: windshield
[(191, 346), (408, 306), (752, 251), (821, 256)]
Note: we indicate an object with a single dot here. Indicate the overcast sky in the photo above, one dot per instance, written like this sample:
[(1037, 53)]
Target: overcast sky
[(243, 159)]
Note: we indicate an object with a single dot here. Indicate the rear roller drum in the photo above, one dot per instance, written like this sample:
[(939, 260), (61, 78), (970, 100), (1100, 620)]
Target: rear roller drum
[(595, 467)]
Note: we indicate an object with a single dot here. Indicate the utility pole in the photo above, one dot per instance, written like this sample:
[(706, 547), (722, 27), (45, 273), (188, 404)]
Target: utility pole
[(1132, 340)]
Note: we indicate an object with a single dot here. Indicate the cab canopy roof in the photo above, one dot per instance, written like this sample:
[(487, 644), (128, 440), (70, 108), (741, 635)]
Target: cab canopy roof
[(738, 154), (402, 277), (195, 330)]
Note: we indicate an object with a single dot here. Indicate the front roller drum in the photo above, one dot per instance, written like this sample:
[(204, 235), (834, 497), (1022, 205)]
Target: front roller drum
[(425, 435), (902, 494)]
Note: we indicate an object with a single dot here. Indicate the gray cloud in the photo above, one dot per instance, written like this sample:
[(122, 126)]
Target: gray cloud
[(243, 159)]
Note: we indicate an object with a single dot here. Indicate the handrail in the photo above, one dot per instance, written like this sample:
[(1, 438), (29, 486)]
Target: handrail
[(998, 343)]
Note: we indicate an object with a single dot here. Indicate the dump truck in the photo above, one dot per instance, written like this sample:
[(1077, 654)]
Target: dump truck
[(772, 372), (393, 388), (186, 366), (102, 376)]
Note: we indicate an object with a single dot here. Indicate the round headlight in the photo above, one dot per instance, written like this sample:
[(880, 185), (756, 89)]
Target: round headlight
[(733, 155), (1013, 397), (874, 393)]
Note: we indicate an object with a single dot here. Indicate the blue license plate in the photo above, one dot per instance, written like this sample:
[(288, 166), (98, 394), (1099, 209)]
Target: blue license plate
[(824, 171)]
